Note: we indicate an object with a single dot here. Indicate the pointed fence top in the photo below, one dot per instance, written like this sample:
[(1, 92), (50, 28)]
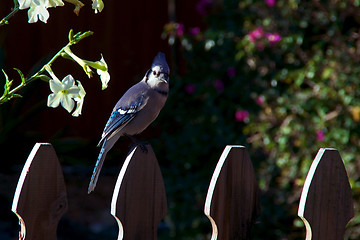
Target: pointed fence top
[(40, 196), (232, 202), (326, 204), (139, 200)]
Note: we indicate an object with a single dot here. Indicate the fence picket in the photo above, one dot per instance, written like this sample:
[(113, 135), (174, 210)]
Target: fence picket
[(232, 203), (40, 196), (326, 204), (139, 199)]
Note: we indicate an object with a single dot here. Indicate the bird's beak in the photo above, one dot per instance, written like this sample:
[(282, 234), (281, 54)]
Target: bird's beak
[(163, 77)]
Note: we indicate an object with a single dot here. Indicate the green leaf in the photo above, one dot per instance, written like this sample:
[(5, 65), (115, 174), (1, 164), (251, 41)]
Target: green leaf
[(7, 85), (6, 96), (44, 77), (65, 55), (23, 79), (71, 35), (6, 76), (84, 35), (80, 36), (15, 95)]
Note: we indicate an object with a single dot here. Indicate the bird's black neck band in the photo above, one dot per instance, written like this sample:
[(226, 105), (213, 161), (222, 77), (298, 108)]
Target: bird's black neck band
[(162, 92)]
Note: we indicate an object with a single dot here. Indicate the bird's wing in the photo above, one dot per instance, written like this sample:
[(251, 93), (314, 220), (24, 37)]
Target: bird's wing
[(124, 111)]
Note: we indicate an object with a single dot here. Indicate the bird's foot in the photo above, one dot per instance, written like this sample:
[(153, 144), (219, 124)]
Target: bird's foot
[(143, 147), (137, 143)]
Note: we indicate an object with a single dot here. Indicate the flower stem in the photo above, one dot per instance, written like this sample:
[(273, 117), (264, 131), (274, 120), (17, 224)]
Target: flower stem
[(14, 10), (37, 75)]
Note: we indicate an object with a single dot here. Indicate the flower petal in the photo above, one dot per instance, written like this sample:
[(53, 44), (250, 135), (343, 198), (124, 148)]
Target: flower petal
[(43, 15), (67, 103), (32, 15), (102, 71), (38, 9), (78, 5), (73, 92), (53, 100), (55, 3), (104, 77), (23, 4), (79, 105), (79, 100), (78, 109), (55, 85), (82, 92), (102, 63), (68, 81), (98, 5)]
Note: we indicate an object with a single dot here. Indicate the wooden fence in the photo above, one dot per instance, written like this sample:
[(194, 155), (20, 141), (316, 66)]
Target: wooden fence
[(139, 200)]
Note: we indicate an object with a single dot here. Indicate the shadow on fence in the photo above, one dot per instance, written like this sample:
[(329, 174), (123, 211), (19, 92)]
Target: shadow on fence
[(139, 200)]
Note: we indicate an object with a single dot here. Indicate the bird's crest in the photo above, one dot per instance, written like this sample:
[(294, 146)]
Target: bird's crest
[(160, 61)]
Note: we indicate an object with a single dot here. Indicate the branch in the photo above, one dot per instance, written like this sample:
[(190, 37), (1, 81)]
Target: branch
[(8, 94), (14, 10)]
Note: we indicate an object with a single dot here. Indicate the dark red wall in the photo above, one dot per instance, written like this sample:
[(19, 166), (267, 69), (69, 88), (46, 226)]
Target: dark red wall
[(127, 33)]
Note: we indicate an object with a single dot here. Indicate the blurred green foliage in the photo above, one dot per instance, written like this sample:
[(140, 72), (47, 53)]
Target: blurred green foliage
[(280, 77)]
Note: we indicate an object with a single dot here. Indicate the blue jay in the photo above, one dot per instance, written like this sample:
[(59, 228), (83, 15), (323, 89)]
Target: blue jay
[(135, 110)]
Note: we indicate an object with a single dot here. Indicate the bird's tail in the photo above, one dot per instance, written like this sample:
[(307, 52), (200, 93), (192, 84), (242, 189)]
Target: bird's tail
[(97, 168), (106, 146)]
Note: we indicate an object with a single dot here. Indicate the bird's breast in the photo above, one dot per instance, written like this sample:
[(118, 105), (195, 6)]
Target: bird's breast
[(146, 115)]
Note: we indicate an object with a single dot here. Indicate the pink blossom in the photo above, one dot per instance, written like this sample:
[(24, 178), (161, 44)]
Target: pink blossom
[(260, 100), (320, 135), (256, 34), (190, 88), (219, 85), (194, 31), (270, 3), (259, 34), (241, 116), (180, 29), (273, 38), (231, 72)]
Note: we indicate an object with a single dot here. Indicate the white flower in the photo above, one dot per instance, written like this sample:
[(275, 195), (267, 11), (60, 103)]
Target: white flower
[(98, 5), (100, 66), (81, 62), (38, 8), (101, 69), (78, 5), (79, 100), (24, 4), (55, 3), (63, 92), (103, 73)]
